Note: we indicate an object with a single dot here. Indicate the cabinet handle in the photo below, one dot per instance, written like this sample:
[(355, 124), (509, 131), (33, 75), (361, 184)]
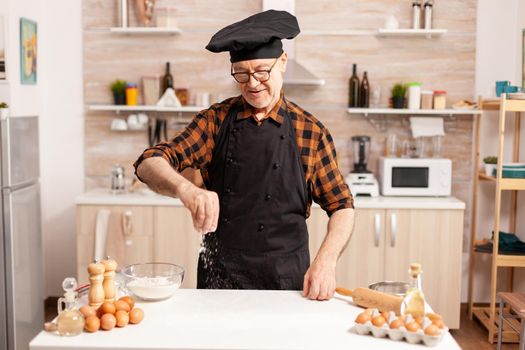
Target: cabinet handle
[(377, 225), (127, 223), (393, 229)]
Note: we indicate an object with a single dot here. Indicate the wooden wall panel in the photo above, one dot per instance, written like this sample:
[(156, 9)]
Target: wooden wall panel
[(443, 63)]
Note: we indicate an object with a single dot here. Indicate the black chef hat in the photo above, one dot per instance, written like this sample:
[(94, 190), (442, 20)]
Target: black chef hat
[(258, 36)]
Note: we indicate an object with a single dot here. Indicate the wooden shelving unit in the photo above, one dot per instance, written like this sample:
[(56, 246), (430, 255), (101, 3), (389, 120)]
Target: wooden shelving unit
[(488, 315)]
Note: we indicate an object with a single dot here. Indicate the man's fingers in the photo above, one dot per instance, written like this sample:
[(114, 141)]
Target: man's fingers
[(323, 294), (207, 224), (199, 215), (216, 208), (314, 289), (306, 285)]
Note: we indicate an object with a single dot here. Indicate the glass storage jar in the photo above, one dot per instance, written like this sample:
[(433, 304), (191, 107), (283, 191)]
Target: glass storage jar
[(440, 99)]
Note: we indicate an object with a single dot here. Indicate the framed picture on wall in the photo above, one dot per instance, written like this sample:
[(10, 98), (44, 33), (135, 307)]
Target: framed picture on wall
[(28, 51)]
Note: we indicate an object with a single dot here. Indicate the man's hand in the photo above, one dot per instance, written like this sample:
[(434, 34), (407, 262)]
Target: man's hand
[(319, 280), (203, 205)]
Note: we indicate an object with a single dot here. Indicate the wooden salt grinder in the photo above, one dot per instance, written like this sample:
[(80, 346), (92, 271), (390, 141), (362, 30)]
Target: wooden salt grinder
[(110, 266), (96, 291)]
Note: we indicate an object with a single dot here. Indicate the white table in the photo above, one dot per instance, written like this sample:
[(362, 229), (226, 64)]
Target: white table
[(227, 319)]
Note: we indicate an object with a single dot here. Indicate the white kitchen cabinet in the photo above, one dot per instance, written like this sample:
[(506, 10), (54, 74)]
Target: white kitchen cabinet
[(139, 247), (386, 241), (176, 241), (358, 265)]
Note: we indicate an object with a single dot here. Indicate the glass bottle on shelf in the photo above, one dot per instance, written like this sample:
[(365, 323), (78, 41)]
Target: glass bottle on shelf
[(353, 93), (70, 321), (414, 300), (364, 92), (167, 80)]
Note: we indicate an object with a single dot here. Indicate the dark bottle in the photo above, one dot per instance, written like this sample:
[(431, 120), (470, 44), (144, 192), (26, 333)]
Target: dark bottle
[(353, 94), (167, 80), (364, 92)]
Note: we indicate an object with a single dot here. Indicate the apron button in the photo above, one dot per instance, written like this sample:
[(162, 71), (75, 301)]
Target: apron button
[(261, 227), (234, 130), (268, 197), (229, 160), (228, 189), (225, 220), (276, 165), (282, 137)]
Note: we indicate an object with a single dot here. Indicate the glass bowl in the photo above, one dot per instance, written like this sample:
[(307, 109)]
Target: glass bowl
[(153, 281)]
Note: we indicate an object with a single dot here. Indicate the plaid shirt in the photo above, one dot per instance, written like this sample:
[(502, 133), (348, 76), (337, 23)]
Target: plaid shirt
[(193, 147)]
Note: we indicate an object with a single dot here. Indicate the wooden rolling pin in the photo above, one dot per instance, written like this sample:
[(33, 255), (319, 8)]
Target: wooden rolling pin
[(369, 298)]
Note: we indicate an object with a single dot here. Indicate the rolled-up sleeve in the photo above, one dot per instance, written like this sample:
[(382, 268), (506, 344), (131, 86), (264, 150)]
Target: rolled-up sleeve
[(190, 148), (329, 188)]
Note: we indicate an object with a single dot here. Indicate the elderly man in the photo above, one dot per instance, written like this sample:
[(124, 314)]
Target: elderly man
[(263, 160)]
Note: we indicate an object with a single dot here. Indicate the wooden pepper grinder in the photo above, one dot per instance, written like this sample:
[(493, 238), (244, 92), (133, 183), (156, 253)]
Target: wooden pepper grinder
[(96, 291), (110, 266)]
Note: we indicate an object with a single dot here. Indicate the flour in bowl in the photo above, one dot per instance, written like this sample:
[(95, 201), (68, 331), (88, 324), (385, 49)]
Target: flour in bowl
[(153, 288)]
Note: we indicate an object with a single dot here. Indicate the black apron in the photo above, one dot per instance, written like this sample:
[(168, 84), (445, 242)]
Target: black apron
[(262, 240)]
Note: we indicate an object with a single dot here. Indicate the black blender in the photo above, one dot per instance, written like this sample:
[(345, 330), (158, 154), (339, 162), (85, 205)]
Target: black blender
[(361, 181)]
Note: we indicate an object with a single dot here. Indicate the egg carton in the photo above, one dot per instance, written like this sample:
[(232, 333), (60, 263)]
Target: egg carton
[(401, 333)]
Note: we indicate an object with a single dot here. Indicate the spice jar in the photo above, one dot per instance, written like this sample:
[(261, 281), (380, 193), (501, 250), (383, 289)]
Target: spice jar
[(440, 99), (131, 94), (426, 99), (182, 95)]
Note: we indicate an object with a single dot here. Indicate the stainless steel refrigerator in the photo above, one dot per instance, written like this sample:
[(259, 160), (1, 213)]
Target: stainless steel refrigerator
[(21, 272)]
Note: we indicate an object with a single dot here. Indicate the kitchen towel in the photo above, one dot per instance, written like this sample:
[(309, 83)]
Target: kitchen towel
[(101, 232), (119, 225), (426, 126)]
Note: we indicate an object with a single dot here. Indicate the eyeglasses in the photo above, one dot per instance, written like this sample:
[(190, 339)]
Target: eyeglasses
[(259, 75)]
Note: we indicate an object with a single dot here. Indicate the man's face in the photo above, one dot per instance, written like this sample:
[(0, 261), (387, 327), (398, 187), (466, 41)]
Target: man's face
[(257, 93)]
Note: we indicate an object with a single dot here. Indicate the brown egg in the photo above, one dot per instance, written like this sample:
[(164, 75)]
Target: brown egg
[(433, 317), (369, 311), (413, 326), (432, 330), (136, 315), (107, 308), (108, 321), (395, 324), (439, 324), (122, 305), (362, 318), (92, 324), (87, 311), (122, 318), (385, 314), (378, 321), (129, 300), (419, 320)]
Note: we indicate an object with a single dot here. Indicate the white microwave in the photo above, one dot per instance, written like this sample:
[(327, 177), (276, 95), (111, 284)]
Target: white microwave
[(415, 176)]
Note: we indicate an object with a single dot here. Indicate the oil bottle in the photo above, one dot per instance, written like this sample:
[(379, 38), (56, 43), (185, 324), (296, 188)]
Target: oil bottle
[(70, 321), (414, 300)]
